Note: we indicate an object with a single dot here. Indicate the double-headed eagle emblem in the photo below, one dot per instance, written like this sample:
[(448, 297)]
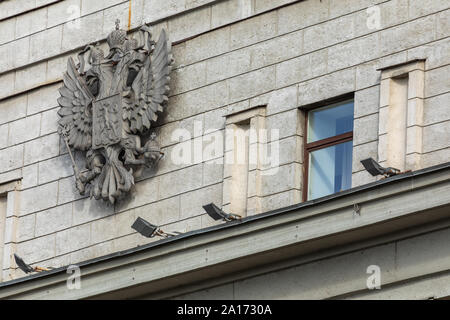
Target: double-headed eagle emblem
[(109, 103)]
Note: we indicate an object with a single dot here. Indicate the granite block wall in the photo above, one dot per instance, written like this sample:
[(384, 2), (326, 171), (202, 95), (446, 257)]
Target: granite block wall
[(230, 56)]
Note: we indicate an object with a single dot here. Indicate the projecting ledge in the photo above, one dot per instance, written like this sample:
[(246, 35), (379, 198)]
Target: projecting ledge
[(365, 212)]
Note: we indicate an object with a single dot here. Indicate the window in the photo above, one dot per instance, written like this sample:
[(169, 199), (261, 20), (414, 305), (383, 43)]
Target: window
[(328, 150)]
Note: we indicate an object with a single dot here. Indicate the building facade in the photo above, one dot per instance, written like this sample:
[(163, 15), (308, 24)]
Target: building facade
[(272, 106)]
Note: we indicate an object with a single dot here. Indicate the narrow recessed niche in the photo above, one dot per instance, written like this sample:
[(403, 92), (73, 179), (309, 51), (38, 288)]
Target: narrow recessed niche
[(401, 116)]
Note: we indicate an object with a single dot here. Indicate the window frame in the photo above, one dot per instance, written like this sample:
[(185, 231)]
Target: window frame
[(323, 143)]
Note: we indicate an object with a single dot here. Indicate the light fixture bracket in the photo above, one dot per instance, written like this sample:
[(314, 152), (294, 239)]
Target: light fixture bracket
[(218, 214)]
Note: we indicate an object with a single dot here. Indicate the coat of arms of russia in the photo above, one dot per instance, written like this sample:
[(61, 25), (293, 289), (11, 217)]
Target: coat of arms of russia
[(109, 103)]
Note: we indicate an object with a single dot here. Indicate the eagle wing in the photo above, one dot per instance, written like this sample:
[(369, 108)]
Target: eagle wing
[(76, 109), (151, 88)]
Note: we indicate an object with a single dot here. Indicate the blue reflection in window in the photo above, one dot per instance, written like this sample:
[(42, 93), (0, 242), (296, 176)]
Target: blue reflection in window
[(330, 121), (330, 170)]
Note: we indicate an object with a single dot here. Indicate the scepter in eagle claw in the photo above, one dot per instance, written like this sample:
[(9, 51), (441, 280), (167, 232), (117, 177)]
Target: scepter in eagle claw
[(76, 170)]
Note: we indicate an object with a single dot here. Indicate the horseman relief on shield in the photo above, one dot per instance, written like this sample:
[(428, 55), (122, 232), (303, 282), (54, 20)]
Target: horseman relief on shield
[(108, 105)]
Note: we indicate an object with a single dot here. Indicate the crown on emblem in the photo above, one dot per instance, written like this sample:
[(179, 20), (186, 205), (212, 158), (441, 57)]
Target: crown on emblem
[(116, 38)]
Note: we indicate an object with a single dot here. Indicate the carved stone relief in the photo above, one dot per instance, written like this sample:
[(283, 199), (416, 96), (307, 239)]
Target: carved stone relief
[(108, 104)]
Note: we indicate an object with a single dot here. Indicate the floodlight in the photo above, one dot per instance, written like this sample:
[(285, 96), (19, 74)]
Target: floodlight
[(26, 267), (375, 169), (217, 214), (150, 230)]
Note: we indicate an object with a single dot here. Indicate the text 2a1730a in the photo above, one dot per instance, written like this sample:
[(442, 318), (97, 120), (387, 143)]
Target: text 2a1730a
[(251, 309), (224, 310)]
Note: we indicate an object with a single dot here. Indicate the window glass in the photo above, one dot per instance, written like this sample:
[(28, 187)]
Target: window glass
[(330, 170), (330, 121)]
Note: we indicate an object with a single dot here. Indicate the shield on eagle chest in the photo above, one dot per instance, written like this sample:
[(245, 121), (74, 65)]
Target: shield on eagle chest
[(107, 121)]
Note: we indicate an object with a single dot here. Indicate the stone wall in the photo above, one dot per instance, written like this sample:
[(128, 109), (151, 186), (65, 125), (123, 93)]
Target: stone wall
[(408, 270), (230, 56)]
